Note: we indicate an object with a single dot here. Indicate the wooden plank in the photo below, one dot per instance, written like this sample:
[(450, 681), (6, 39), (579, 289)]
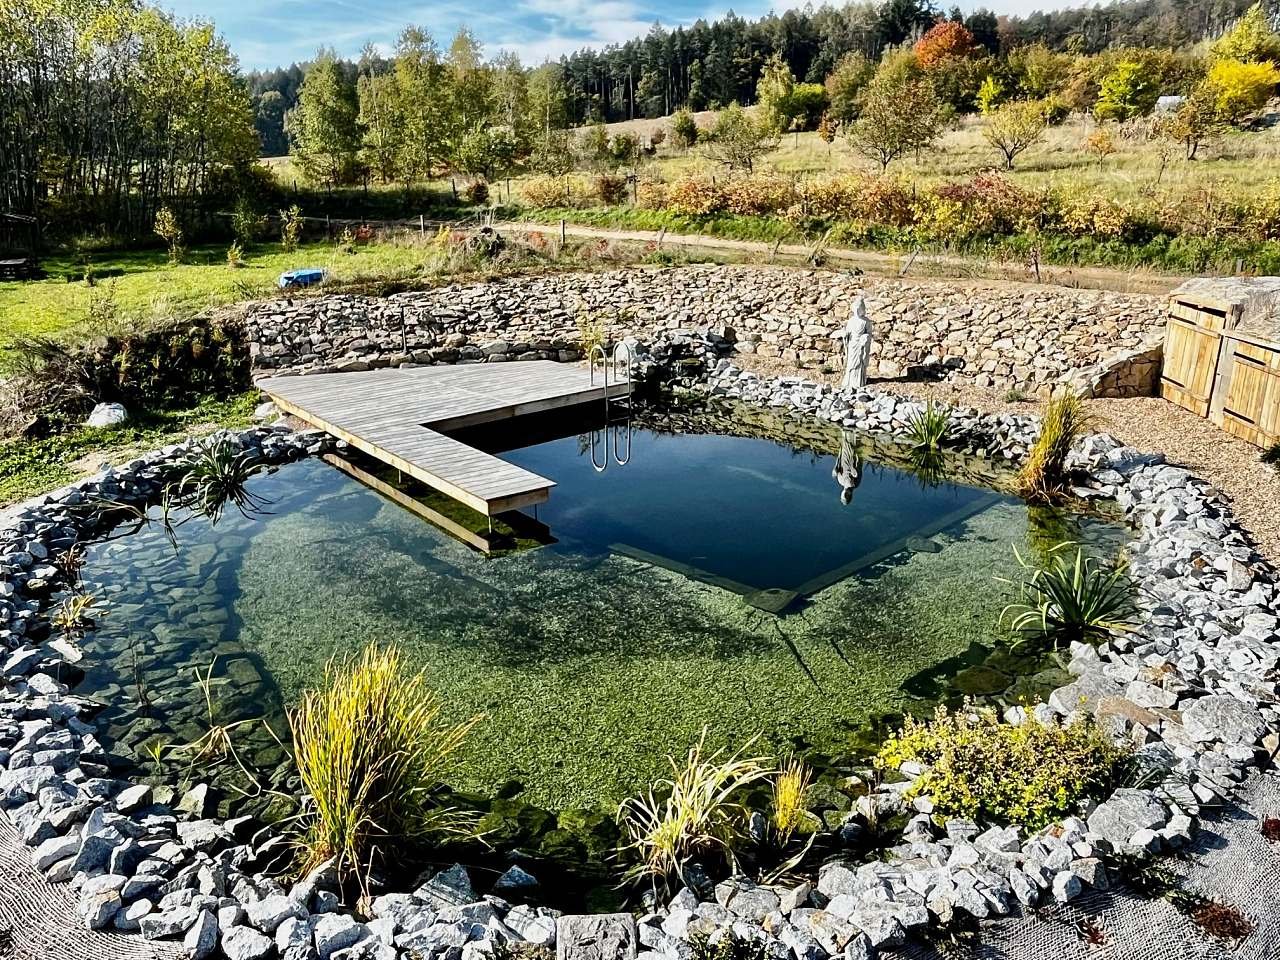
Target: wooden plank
[(1251, 406), (434, 465)]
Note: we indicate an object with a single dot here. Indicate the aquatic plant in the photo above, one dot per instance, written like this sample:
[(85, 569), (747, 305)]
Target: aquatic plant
[(692, 815), (372, 752), (77, 613), (927, 427), (1043, 476), (1074, 597), (216, 742), (70, 564), (979, 767), (213, 474)]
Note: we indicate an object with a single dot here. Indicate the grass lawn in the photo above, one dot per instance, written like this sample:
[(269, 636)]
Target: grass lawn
[(30, 467), (141, 284)]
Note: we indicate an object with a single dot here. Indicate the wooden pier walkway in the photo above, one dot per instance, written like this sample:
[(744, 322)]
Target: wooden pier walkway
[(400, 416)]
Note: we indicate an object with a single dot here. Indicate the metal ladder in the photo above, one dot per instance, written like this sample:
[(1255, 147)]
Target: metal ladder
[(612, 427)]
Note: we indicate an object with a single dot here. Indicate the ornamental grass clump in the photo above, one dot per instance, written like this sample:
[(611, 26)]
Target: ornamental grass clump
[(1043, 477), (1074, 598), (927, 428), (984, 769), (696, 814), (373, 752)]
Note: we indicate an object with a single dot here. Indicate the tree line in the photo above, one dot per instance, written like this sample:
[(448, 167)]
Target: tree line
[(709, 65), (113, 110)]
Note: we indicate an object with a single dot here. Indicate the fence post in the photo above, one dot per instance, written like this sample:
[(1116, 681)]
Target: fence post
[(328, 228), (453, 185), (563, 233), (422, 226)]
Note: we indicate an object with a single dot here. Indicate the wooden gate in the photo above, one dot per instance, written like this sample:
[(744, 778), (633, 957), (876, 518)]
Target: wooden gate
[(1247, 399), (1190, 365)]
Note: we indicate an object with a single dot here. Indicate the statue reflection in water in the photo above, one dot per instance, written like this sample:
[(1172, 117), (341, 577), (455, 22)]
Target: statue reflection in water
[(848, 469)]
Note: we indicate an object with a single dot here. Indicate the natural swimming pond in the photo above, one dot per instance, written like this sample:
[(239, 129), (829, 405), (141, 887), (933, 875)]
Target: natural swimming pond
[(593, 657)]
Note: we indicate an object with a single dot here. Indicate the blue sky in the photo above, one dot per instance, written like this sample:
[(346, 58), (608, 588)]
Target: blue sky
[(270, 33)]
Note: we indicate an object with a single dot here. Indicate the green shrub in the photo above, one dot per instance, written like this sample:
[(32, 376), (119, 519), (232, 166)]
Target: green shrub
[(169, 230), (982, 768), (247, 224), (372, 752), (1074, 598), (290, 228), (684, 129)]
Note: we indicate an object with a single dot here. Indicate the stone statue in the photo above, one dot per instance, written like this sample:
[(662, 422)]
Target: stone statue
[(856, 336), (848, 469)]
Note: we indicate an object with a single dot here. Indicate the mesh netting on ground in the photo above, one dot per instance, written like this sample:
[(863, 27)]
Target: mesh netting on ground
[(38, 919), (1229, 862)]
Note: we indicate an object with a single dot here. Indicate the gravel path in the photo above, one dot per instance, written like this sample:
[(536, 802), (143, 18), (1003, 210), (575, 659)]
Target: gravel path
[(1148, 423)]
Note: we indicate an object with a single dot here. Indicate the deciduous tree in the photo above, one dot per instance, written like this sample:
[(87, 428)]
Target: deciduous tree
[(1128, 91), (944, 41), (1014, 127), (323, 126), (1238, 89), (738, 140), (845, 84), (1251, 39), (899, 115)]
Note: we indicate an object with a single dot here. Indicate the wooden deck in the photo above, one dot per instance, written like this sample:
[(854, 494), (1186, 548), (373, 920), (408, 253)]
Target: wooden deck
[(400, 416)]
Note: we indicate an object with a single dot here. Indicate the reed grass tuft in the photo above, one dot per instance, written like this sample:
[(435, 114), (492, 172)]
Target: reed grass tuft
[(1043, 477), (692, 815), (1073, 597), (373, 752)]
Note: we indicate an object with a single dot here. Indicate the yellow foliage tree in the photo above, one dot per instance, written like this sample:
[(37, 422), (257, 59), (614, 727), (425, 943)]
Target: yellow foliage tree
[(1237, 88), (1250, 40)]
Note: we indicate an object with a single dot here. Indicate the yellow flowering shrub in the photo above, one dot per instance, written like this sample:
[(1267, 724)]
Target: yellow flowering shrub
[(984, 769), (1092, 215)]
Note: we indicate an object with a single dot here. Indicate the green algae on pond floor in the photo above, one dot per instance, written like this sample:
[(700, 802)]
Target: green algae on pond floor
[(591, 670), (590, 666)]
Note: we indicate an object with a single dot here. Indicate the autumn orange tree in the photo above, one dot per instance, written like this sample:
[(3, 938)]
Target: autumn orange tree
[(944, 41)]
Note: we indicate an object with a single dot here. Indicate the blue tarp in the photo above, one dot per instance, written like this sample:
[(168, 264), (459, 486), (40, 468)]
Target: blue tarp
[(303, 277)]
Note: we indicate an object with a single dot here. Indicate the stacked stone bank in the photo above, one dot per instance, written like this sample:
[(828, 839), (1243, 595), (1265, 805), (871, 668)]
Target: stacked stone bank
[(1001, 335)]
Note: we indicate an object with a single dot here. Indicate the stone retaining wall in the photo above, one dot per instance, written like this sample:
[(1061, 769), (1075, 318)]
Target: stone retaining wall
[(994, 335)]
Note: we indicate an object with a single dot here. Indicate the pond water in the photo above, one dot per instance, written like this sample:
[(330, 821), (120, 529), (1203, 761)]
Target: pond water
[(594, 657)]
